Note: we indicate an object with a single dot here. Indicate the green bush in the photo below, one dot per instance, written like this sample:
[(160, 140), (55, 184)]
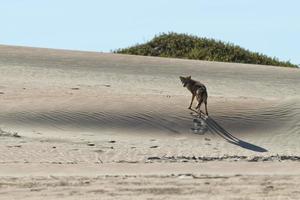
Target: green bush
[(186, 46)]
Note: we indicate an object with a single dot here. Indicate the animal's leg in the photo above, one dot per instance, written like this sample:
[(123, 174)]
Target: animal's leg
[(192, 101), (199, 106), (206, 107), (200, 100)]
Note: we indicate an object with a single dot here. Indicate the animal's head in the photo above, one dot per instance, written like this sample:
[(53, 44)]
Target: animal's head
[(185, 80)]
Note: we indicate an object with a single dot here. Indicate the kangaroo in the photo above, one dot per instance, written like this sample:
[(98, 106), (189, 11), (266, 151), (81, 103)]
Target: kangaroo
[(197, 89)]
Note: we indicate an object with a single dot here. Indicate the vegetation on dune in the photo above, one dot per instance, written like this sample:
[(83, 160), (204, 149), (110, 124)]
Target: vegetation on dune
[(176, 45)]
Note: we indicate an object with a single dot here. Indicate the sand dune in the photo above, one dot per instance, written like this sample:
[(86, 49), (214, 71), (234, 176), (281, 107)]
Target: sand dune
[(86, 91), (90, 108)]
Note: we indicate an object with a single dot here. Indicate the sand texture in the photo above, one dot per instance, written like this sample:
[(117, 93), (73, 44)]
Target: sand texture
[(86, 125)]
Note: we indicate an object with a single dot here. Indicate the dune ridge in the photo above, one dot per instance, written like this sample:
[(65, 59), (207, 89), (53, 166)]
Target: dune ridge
[(283, 116)]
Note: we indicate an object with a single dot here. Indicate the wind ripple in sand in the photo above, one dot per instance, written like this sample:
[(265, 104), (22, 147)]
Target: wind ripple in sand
[(283, 117)]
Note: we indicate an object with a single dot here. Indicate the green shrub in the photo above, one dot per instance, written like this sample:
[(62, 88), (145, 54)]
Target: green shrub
[(186, 46)]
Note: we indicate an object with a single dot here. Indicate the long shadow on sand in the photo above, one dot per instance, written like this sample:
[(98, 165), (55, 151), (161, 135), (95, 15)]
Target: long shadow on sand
[(215, 128)]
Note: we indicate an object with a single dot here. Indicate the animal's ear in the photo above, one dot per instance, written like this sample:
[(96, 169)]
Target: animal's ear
[(189, 77)]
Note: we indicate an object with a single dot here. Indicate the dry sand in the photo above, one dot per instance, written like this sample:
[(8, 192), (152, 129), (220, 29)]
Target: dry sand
[(86, 125)]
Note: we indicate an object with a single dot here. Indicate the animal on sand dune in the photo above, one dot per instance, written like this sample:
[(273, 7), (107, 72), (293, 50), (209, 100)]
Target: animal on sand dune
[(198, 90)]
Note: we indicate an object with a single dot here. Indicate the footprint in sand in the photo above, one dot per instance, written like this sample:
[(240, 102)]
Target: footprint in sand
[(99, 151), (90, 144)]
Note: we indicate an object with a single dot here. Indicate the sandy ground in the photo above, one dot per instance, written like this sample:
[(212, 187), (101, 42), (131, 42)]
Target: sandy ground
[(85, 125)]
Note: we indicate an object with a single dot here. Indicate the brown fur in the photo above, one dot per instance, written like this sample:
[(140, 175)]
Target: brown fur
[(197, 89)]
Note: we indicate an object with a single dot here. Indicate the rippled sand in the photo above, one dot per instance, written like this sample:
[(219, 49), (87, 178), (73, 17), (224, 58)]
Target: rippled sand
[(74, 108)]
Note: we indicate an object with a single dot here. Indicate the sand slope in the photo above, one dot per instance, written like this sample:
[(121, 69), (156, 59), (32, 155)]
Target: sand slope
[(108, 94), (72, 107)]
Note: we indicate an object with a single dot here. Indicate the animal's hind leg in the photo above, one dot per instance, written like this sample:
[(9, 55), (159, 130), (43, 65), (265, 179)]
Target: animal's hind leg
[(206, 107), (199, 107)]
